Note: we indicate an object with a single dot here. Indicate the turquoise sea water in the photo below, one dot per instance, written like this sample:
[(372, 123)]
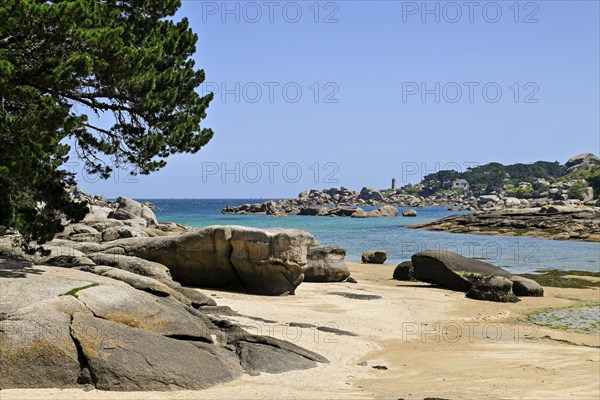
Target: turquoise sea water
[(517, 254)]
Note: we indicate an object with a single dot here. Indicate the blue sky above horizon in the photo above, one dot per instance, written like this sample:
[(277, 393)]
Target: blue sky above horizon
[(352, 93)]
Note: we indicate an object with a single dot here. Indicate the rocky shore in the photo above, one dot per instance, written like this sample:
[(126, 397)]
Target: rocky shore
[(565, 207), (558, 221), (111, 302), (112, 299), (390, 346)]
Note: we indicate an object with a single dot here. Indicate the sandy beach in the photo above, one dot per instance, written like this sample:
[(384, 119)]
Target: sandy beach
[(424, 341)]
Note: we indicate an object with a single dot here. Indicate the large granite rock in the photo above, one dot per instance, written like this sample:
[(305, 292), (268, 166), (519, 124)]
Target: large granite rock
[(584, 161), (384, 211), (135, 265), (131, 209), (36, 348), (124, 358), (269, 262), (139, 282), (80, 232), (63, 327), (368, 193), (265, 358), (326, 264), (451, 270)]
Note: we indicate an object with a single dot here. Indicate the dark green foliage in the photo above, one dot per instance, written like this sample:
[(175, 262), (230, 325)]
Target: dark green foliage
[(523, 193), (577, 191), (114, 77), (441, 180), (594, 181), (493, 176)]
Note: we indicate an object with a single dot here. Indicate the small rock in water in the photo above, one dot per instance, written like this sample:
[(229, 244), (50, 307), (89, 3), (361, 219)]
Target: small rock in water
[(409, 213)]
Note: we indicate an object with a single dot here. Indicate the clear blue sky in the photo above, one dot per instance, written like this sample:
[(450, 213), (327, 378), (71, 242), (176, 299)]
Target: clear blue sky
[(361, 118)]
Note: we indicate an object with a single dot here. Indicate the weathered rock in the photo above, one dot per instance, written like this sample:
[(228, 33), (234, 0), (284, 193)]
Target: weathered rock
[(404, 272), (102, 225), (124, 232), (139, 282), (359, 213), (493, 288), (196, 298), (269, 262), (511, 202), (384, 211), (488, 199), (368, 193), (584, 161), (124, 358), (409, 213), (326, 264), (81, 247), (452, 271), (173, 228), (130, 209), (135, 308), (57, 329), (69, 261), (135, 265), (97, 213), (556, 221), (526, 287), (36, 347), (265, 358), (236, 336), (80, 233), (374, 256), (49, 251)]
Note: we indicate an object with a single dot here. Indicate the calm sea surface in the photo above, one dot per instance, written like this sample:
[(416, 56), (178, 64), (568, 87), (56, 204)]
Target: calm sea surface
[(517, 254)]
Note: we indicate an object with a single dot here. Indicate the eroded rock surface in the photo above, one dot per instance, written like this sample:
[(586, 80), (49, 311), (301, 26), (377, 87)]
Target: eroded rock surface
[(269, 262), (326, 264), (64, 327)]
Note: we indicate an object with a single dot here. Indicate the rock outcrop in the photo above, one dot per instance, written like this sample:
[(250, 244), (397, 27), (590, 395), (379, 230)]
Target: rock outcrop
[(268, 262), (556, 221), (450, 270), (455, 272), (65, 327), (131, 209)]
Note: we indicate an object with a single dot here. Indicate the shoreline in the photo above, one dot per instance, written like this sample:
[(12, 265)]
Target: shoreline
[(556, 222), (398, 331)]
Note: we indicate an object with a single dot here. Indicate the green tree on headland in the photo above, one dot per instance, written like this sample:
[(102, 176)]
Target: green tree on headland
[(69, 66), (493, 176)]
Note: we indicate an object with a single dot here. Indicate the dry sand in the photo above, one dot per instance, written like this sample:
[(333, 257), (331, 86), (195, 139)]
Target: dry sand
[(433, 342)]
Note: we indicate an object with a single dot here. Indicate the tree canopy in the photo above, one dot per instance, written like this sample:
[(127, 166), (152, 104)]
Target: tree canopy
[(69, 66), (489, 177)]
